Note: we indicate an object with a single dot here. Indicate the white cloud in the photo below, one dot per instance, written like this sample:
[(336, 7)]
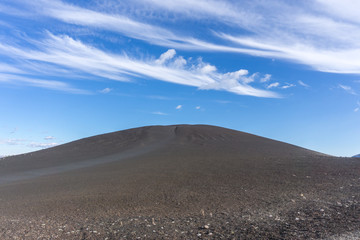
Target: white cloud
[(169, 54), (266, 78), (12, 141), (204, 9), (207, 69), (321, 59), (303, 84), (6, 68), (159, 113), (105, 90), (42, 145), (277, 85), (178, 107), (358, 107), (288, 85), (321, 34), (347, 10), (49, 138), (197, 107), (41, 83), (179, 62), (273, 85), (28, 143), (348, 89), (76, 56)]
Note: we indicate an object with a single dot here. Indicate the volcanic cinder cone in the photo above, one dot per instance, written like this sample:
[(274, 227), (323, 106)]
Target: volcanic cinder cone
[(182, 181)]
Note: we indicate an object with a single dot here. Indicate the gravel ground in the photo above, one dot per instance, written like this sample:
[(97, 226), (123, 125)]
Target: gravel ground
[(341, 222)]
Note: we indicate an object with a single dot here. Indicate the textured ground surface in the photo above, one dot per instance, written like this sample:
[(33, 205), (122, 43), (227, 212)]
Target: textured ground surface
[(179, 182)]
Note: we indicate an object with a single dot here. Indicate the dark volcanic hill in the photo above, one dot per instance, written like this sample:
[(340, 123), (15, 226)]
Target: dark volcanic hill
[(184, 181)]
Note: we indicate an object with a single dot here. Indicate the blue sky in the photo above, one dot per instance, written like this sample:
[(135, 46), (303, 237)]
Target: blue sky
[(285, 70)]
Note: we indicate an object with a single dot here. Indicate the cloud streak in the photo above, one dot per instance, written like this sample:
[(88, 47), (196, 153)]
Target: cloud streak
[(319, 34), (301, 83), (105, 90), (348, 89), (49, 138), (159, 113), (74, 55), (41, 83), (357, 107), (42, 145)]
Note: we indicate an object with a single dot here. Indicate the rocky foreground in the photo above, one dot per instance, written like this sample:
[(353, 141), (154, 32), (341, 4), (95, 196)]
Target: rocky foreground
[(334, 222)]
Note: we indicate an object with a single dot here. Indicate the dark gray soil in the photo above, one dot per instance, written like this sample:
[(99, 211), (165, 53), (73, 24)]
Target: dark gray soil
[(179, 182)]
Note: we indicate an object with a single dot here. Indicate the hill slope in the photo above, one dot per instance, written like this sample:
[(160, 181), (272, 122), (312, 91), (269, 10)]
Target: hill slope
[(165, 174), (115, 146)]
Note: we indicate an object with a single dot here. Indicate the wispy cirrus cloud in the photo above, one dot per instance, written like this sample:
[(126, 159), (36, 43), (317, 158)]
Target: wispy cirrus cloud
[(281, 86), (105, 90), (348, 89), (288, 85), (25, 142), (12, 141), (319, 34), (266, 78), (322, 34), (42, 145), (41, 83), (49, 138), (76, 56), (346, 9), (301, 83), (224, 11), (357, 106), (159, 113), (314, 37), (273, 85)]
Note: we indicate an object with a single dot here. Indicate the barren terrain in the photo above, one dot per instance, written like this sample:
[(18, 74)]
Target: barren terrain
[(179, 182)]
